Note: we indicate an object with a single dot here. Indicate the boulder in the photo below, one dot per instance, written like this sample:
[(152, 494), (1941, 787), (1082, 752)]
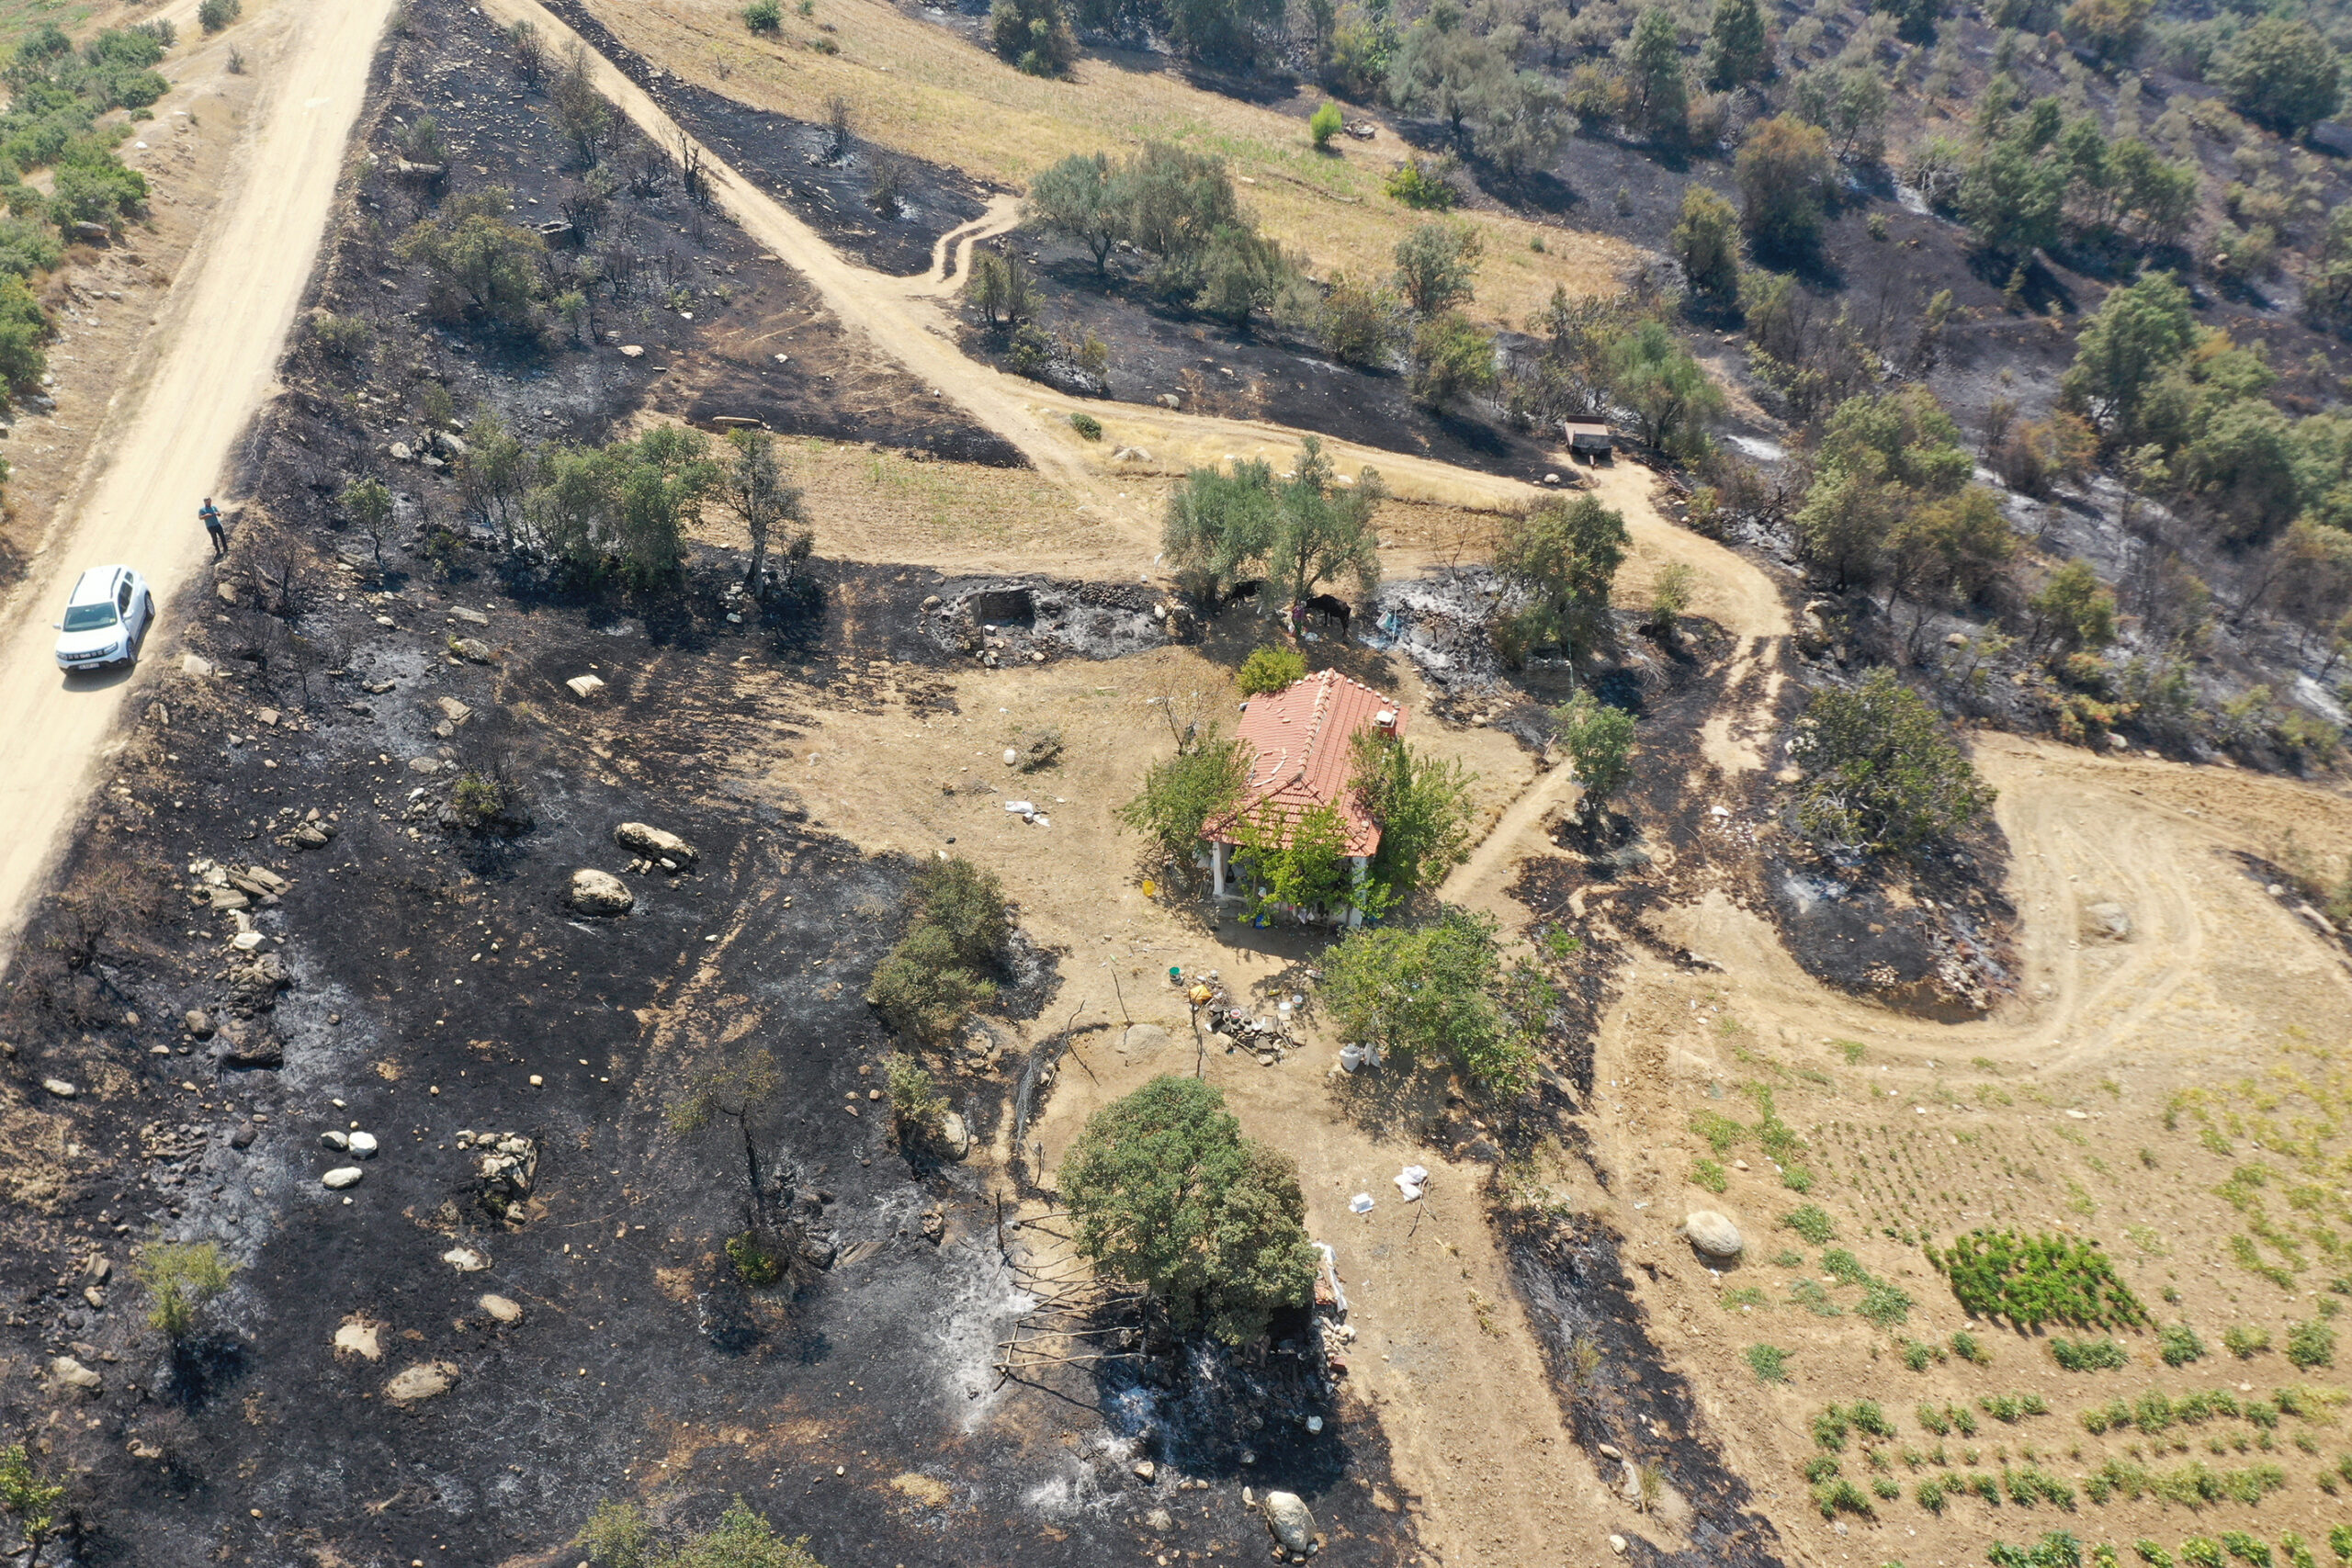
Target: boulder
[(355, 1335), (250, 1047), (343, 1176), (363, 1146), (585, 687), (71, 1373), (465, 1259), (1712, 1233), (60, 1088), (2109, 920), (200, 1023), (955, 1136), (472, 650), (600, 892), (1294, 1525), (638, 838), (426, 1380), (501, 1308)]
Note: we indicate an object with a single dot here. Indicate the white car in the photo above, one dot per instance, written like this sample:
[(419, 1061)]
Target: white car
[(107, 618)]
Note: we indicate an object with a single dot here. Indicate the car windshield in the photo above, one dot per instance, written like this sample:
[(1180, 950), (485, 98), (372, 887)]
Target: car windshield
[(88, 617)]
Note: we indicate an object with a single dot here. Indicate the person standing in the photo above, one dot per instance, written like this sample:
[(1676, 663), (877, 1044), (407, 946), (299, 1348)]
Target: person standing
[(210, 514)]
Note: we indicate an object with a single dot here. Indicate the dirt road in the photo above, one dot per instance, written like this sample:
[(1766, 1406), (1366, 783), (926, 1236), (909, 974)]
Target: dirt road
[(169, 441)]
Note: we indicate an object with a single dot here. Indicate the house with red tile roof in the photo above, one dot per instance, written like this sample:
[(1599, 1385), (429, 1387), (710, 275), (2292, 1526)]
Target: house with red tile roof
[(1301, 740)]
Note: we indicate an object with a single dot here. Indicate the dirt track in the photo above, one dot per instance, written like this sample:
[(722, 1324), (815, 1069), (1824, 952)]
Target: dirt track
[(170, 440)]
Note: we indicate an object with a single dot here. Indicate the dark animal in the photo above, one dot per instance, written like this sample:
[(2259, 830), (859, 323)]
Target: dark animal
[(1327, 610), (1241, 591)]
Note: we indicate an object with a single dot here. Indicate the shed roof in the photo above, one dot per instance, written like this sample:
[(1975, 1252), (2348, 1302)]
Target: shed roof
[(1301, 760)]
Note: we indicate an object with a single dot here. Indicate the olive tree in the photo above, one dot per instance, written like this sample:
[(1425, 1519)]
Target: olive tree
[(1170, 1196), (1878, 773)]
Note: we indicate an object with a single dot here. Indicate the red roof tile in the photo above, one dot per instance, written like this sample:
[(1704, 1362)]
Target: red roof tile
[(1300, 737)]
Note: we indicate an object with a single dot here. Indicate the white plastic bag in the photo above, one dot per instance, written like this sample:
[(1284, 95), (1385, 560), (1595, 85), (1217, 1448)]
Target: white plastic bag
[(1410, 1180)]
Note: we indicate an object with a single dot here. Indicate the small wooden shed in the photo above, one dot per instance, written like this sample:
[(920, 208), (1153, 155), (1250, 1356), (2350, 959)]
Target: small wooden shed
[(1587, 437)]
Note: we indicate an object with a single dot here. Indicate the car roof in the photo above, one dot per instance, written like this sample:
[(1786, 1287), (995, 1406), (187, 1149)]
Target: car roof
[(95, 584)]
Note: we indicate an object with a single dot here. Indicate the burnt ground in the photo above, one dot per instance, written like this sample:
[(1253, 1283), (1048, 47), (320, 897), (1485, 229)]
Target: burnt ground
[(412, 977), (1157, 348), (681, 284), (793, 161)]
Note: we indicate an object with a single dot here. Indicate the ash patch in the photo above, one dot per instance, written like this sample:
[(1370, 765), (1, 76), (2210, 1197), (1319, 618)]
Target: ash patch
[(1573, 1281), (791, 160), (1016, 620), (1929, 935), (1444, 623)]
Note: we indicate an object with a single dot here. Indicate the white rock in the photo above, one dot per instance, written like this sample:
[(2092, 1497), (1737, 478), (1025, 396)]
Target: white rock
[(955, 1136), (632, 351), (1617, 1544), (364, 1144), (343, 1176), (355, 1335), (503, 1309), (655, 843), (60, 1088), (336, 1140), (1146, 1471), (1010, 756), (600, 892), (1712, 1233), (74, 1374), (585, 687), (426, 1380), (465, 1259), (1287, 1517)]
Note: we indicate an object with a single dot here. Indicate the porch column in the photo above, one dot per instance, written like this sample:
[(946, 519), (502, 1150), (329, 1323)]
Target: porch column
[(1216, 865), (1359, 867)]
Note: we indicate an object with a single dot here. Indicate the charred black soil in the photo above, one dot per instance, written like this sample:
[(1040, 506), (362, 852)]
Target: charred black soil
[(715, 329), (285, 850), (884, 208)]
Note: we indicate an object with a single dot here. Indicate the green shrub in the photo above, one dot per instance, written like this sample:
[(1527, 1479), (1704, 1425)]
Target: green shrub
[(1886, 1488), (756, 1264), (181, 1279), (2199, 1552), (923, 988), (2036, 1280), (1818, 1469), (2298, 1549), (1324, 124), (1720, 1131), (2088, 1355), (214, 14), (1969, 1348), (2152, 1555), (2246, 1548), (764, 16), (1086, 424), (917, 1108), (1829, 1428), (1796, 1178), (1843, 1267), (2339, 1541), (1929, 1493), (1841, 1496), (2311, 1345), (1769, 1362), (1710, 1174), (1271, 669), (1869, 1419), (2010, 1408), (36, 1505), (1934, 1420), (2245, 1343), (1423, 187), (2178, 1344), (1883, 1305), (1811, 1222), (1916, 1356)]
